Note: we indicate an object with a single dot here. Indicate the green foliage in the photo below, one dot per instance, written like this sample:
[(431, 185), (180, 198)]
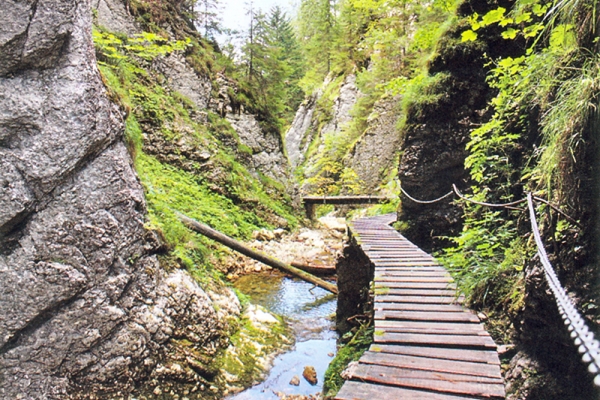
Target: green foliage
[(146, 45), (553, 79), (226, 196), (351, 351)]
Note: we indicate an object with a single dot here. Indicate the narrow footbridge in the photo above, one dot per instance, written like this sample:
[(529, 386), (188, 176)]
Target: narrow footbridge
[(427, 346)]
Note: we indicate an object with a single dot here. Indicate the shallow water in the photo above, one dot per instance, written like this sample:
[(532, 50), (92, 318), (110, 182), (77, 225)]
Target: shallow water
[(308, 310)]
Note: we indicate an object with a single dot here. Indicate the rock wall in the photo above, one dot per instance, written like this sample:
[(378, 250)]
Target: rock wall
[(372, 156), (433, 146), (375, 154), (87, 309), (266, 147), (342, 106), (299, 135)]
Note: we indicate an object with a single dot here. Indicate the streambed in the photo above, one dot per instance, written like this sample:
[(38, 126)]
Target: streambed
[(308, 311)]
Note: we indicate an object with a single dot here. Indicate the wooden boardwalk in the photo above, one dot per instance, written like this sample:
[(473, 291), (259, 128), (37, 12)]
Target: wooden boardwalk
[(427, 346)]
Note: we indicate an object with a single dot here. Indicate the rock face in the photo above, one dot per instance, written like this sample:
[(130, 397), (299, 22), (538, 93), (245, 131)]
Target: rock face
[(265, 147), (296, 141), (185, 80), (433, 147), (267, 156), (112, 15), (86, 308), (375, 153), (342, 106), (305, 127)]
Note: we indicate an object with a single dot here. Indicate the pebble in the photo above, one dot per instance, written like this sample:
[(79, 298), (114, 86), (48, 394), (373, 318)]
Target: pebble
[(295, 381), (310, 374)]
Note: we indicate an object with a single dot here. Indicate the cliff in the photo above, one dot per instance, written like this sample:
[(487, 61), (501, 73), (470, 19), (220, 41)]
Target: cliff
[(99, 285), (333, 153)]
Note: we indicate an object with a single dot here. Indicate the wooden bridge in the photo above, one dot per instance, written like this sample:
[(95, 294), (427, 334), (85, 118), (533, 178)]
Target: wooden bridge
[(310, 202), (427, 346)]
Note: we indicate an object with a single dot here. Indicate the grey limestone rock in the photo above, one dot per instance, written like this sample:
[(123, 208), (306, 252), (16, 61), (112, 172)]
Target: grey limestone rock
[(113, 15), (86, 308), (298, 136), (375, 154), (267, 155)]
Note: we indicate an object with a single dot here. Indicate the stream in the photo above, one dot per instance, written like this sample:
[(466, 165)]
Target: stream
[(309, 312)]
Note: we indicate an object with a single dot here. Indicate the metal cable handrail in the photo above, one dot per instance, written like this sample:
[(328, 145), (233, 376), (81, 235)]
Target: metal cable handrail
[(587, 344), (426, 201), (584, 339)]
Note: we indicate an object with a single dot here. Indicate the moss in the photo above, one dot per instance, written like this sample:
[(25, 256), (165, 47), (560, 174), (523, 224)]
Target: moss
[(226, 195), (352, 351), (245, 361)]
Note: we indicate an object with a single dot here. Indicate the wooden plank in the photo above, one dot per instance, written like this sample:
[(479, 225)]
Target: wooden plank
[(383, 290), (415, 285), (408, 263), (420, 299), (422, 279), (482, 342), (478, 356), (426, 316), (428, 364), (468, 327), (368, 391), (446, 308), (435, 381), (413, 272), (432, 331)]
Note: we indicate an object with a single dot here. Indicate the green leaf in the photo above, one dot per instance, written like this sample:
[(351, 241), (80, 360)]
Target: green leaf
[(510, 33), (525, 17), (469, 36), (532, 30), (493, 16)]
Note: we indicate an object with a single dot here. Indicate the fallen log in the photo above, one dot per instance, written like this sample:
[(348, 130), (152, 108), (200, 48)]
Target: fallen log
[(321, 270), (239, 247)]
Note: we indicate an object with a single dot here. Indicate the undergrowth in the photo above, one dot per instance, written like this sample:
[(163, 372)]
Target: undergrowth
[(218, 191), (347, 353)]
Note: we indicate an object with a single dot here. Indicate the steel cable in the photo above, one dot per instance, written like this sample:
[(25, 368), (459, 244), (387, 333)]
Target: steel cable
[(426, 201), (587, 344)]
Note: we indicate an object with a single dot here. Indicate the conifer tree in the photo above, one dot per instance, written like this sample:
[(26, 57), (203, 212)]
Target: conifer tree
[(207, 17)]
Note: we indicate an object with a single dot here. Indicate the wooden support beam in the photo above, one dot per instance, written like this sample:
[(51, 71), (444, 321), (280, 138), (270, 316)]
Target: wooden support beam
[(344, 199), (310, 202), (239, 247)]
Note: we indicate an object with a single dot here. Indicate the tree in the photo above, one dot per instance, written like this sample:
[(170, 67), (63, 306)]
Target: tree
[(207, 17), (317, 28)]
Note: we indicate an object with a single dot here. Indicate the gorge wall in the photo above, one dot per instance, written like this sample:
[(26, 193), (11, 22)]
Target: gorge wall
[(331, 155), (88, 309)]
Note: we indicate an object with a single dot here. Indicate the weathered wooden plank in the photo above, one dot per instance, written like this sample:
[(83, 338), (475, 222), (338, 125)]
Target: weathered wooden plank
[(412, 272), (432, 331), (469, 328), (399, 257), (443, 353), (426, 316), (384, 290), (369, 391), (420, 299), (436, 365), (435, 381), (447, 308), (387, 263), (422, 279), (415, 285), (436, 340)]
